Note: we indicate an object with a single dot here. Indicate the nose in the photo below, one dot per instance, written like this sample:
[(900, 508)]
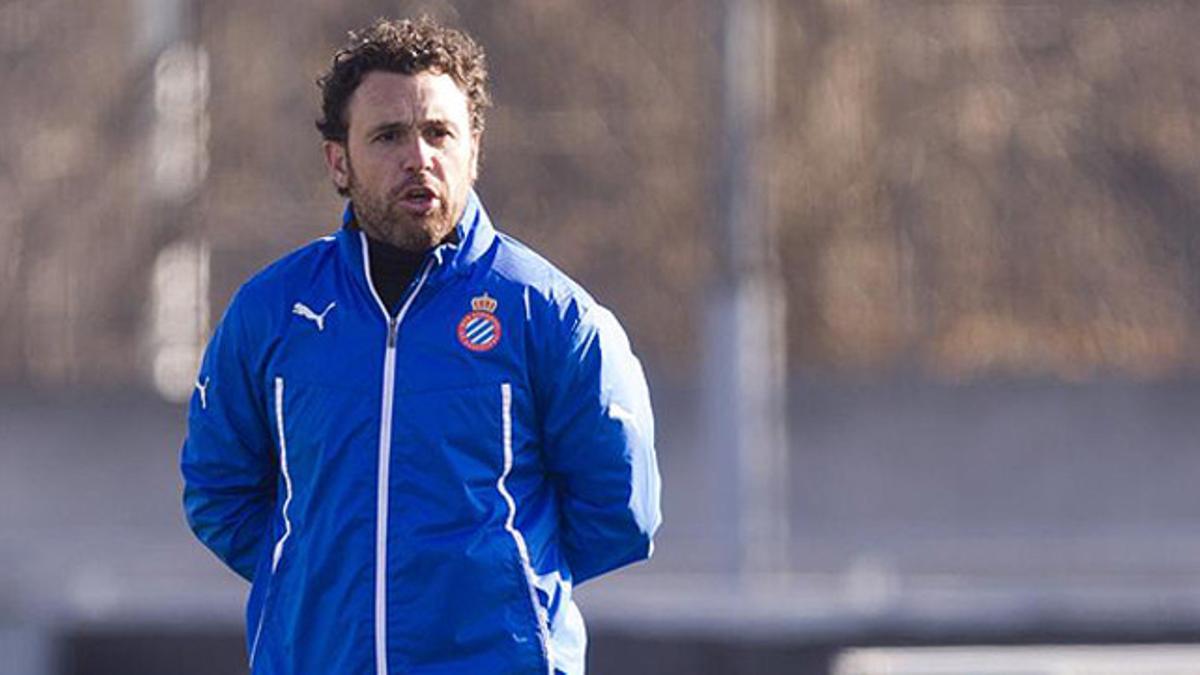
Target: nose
[(418, 156)]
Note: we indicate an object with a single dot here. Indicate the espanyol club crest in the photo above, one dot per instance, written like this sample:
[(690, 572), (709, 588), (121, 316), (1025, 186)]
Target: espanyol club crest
[(479, 330)]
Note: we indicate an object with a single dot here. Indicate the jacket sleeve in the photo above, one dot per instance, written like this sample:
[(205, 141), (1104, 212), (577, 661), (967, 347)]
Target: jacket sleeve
[(598, 431), (229, 467)]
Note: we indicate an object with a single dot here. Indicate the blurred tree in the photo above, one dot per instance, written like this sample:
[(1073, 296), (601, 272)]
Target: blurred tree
[(991, 188), (962, 188)]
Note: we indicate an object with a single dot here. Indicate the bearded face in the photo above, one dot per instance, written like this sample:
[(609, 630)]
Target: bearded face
[(410, 157), (414, 216)]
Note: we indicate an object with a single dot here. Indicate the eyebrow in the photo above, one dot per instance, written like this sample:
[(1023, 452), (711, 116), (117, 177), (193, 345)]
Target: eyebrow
[(405, 126), (389, 126)]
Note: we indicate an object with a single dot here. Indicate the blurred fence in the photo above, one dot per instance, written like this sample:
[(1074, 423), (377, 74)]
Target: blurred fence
[(961, 187)]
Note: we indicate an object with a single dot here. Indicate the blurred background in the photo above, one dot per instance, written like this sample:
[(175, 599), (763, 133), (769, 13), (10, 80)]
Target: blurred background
[(915, 283)]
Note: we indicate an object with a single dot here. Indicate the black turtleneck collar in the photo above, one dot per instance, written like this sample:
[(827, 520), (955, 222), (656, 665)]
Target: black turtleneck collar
[(392, 269)]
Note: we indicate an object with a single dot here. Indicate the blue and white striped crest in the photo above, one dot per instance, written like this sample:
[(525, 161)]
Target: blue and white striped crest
[(479, 331)]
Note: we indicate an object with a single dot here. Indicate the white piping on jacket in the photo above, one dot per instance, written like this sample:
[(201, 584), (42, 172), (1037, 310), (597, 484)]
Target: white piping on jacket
[(287, 478), (287, 523), (385, 454), (543, 620)]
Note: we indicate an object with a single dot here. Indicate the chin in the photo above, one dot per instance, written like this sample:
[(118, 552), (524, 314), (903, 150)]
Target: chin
[(426, 233)]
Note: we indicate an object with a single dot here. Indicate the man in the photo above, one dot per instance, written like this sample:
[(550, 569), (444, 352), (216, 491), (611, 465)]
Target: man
[(416, 436)]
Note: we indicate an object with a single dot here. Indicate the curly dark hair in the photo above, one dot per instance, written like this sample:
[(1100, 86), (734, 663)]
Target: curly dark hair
[(407, 47)]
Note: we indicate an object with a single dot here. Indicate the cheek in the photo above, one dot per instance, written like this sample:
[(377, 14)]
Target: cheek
[(372, 166), (464, 165)]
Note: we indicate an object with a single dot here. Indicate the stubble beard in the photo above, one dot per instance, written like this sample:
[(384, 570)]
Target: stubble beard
[(383, 219)]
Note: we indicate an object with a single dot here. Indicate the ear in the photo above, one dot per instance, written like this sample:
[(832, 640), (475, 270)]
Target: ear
[(337, 161)]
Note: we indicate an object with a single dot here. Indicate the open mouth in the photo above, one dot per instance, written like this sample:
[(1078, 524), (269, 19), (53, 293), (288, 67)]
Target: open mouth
[(419, 199)]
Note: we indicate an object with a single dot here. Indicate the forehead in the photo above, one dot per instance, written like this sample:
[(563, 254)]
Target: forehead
[(385, 97)]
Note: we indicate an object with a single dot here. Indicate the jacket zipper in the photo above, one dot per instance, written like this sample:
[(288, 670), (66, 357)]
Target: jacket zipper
[(385, 453)]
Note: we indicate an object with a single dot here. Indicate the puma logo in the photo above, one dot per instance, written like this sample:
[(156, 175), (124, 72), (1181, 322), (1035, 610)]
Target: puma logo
[(203, 389), (301, 309)]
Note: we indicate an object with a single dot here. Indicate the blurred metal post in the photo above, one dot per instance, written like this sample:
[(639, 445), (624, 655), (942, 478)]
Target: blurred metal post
[(177, 164), (160, 23), (745, 361)]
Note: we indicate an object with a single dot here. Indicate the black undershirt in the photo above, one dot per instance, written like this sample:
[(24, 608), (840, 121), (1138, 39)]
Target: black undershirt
[(392, 269)]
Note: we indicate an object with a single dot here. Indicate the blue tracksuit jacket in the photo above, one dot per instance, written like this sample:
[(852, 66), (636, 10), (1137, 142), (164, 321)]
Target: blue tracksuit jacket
[(418, 492)]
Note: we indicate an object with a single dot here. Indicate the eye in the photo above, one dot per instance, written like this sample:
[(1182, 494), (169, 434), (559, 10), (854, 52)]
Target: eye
[(438, 133), (387, 137)]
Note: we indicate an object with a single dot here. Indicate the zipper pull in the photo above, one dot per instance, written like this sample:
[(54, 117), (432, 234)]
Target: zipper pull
[(393, 324)]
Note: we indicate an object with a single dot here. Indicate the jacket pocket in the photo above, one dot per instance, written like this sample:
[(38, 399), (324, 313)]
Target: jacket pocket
[(540, 615)]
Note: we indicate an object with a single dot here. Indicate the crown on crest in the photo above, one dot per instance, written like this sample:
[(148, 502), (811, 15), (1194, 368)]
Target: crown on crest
[(484, 303)]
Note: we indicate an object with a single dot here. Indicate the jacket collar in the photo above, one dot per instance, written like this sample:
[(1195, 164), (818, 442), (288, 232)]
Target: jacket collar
[(475, 235)]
